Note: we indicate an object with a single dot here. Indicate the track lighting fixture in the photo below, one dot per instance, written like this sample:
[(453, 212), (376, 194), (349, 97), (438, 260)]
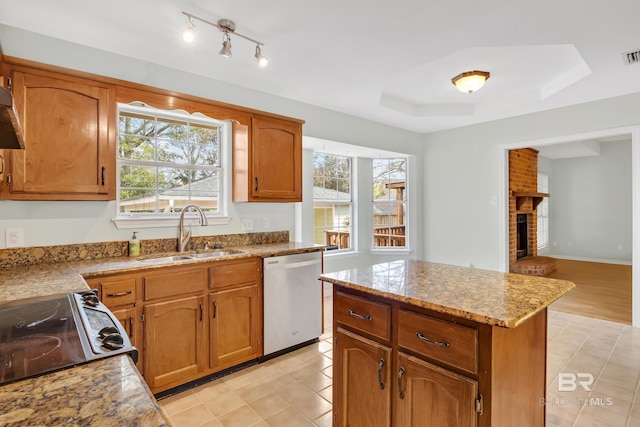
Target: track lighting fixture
[(227, 27)]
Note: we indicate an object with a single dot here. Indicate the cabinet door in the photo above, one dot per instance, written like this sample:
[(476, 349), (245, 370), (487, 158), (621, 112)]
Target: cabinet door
[(276, 165), (65, 123), (235, 326), (173, 342), (362, 391), (428, 395)]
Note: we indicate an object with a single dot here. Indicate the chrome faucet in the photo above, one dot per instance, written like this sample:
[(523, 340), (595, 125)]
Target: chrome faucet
[(183, 240)]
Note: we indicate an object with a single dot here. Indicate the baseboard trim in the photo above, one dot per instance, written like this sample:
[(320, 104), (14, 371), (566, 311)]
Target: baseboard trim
[(600, 260)]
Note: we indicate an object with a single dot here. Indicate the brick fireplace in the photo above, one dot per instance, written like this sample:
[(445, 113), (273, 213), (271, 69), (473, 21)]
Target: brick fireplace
[(524, 198)]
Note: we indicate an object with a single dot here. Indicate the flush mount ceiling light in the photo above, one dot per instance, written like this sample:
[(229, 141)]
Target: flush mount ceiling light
[(227, 27), (470, 81)]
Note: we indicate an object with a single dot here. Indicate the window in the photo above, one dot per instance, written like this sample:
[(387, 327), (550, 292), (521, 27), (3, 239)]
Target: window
[(167, 160), (543, 212), (390, 203), (332, 201)]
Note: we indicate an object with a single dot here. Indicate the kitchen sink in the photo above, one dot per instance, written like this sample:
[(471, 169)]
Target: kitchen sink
[(166, 259), (215, 254)]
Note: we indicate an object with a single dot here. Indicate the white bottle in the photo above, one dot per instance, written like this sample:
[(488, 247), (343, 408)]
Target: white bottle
[(134, 245)]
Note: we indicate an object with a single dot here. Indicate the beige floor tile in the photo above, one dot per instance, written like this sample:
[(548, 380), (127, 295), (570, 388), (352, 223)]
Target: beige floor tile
[(253, 391), (243, 416), (288, 418), (311, 406), (212, 423), (325, 420), (224, 404), (269, 405), (327, 394), (211, 390), (599, 416), (316, 381), (179, 402), (328, 371), (192, 417)]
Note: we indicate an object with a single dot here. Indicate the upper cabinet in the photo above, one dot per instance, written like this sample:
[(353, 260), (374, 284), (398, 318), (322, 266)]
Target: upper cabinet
[(69, 131), (267, 161)]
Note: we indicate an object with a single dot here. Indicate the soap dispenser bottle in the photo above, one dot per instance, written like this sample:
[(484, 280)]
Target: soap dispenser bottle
[(134, 245)]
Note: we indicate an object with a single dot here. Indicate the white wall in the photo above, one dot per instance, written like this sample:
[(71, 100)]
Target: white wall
[(590, 205), (462, 175), (51, 223)]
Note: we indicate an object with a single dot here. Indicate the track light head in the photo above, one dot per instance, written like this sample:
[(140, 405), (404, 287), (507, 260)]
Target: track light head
[(263, 61), (189, 33), (226, 46)]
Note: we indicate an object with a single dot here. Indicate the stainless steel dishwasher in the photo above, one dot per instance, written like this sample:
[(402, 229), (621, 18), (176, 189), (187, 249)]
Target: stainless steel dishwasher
[(292, 301)]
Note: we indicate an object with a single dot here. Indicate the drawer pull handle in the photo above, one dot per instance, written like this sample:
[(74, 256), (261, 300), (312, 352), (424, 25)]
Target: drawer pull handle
[(130, 326), (201, 312), (430, 341), (215, 308), (400, 374), (360, 316), (380, 373), (119, 294)]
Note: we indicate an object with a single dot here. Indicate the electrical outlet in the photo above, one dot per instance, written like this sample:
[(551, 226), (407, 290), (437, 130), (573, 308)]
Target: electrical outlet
[(265, 223), (15, 237), (247, 224)]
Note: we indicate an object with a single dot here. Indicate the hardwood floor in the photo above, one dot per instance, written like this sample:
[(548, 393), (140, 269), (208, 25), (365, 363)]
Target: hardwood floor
[(602, 290)]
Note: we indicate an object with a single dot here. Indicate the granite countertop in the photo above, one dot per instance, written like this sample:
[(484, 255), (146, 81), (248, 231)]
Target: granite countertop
[(489, 297), (48, 279), (108, 391)]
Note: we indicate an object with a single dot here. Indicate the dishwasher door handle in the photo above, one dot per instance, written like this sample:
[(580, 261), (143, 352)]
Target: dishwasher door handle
[(278, 265)]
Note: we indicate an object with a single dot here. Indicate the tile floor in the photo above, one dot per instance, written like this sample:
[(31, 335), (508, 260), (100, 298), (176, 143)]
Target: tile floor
[(295, 389)]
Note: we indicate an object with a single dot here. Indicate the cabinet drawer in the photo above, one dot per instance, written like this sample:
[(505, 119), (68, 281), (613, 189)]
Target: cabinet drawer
[(118, 292), (170, 284), (364, 315), (450, 343), (224, 274)]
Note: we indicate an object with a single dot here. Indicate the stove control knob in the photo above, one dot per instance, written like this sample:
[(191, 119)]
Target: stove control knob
[(113, 342), (108, 330), (90, 299)]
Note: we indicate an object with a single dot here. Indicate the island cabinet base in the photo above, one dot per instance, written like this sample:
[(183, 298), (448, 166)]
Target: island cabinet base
[(396, 364)]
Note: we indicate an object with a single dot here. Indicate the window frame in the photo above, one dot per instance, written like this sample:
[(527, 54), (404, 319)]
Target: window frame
[(160, 219), (336, 202), (392, 249)]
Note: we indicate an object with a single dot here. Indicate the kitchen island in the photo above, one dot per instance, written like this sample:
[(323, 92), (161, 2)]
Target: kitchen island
[(425, 344)]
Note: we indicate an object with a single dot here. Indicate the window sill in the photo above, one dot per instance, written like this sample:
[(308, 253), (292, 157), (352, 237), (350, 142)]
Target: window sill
[(146, 222), (403, 251)]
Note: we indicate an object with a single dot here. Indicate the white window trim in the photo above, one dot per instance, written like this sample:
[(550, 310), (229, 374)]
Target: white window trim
[(353, 234), (159, 220), (406, 249)]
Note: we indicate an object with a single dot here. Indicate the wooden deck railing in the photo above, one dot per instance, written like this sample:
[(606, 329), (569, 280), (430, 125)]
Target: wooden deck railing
[(387, 235)]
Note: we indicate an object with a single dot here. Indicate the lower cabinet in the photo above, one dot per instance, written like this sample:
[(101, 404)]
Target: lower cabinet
[(174, 336), (188, 321), (362, 391), (432, 396), (235, 326)]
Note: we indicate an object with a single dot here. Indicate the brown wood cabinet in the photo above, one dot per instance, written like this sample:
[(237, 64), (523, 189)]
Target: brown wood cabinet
[(362, 392), (119, 294), (174, 341), (69, 131), (446, 371), (267, 163), (427, 392), (189, 321)]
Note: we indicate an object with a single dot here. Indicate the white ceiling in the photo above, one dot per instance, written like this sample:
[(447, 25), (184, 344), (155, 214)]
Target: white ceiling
[(390, 62)]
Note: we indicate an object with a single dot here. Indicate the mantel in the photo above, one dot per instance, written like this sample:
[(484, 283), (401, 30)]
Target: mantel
[(521, 197)]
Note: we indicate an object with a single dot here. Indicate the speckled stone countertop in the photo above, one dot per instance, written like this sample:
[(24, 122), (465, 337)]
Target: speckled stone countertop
[(490, 297), (109, 392), (106, 392), (48, 279)]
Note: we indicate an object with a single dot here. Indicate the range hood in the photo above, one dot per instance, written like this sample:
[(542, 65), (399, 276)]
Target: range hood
[(10, 132)]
